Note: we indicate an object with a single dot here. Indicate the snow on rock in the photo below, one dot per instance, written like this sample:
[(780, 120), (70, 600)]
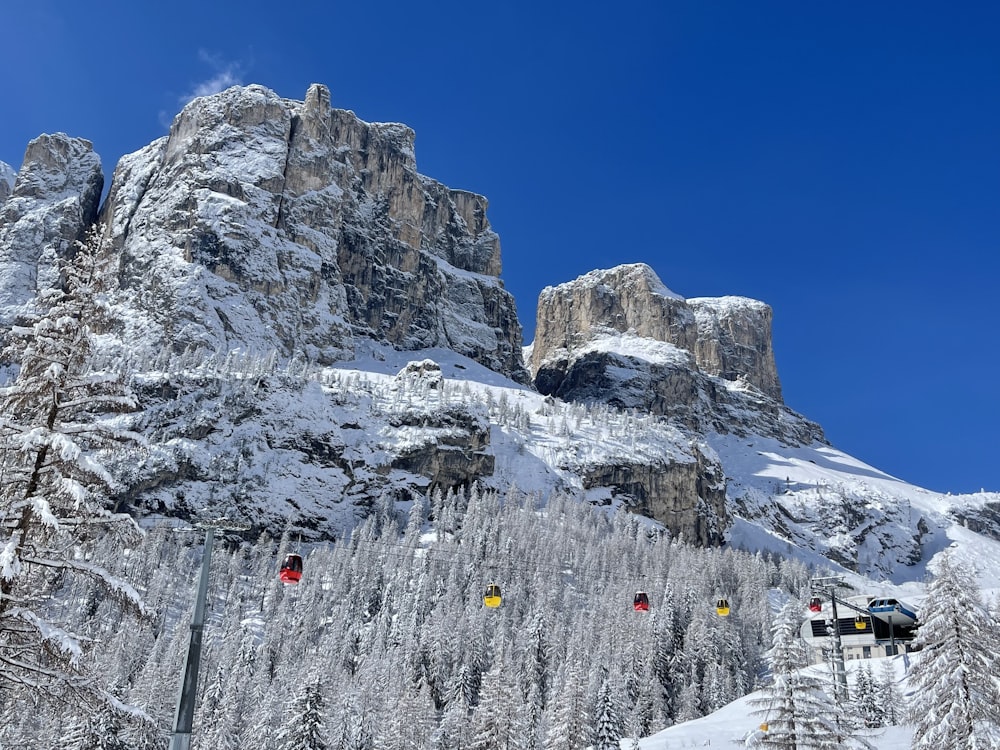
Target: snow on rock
[(628, 298), (7, 177), (824, 504), (317, 447), (734, 341), (282, 262), (262, 223), (53, 201), (621, 337)]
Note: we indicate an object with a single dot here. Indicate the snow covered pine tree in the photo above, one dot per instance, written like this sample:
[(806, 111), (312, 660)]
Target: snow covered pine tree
[(799, 711), (955, 690), (54, 415), (304, 728)]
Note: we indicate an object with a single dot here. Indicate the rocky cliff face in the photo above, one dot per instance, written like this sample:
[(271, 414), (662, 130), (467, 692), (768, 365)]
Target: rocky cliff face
[(7, 177), (261, 223), (626, 299), (734, 341), (50, 206), (621, 337), (687, 497)]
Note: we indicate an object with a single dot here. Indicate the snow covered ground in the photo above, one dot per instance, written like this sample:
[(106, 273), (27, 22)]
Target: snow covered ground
[(810, 476), (737, 725)]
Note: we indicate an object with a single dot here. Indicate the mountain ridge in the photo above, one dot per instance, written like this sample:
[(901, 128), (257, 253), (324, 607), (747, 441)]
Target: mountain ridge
[(270, 250)]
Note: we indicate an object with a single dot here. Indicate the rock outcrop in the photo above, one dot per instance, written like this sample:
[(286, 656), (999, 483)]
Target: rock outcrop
[(263, 223), (621, 337), (688, 498), (54, 200), (734, 341), (626, 299)]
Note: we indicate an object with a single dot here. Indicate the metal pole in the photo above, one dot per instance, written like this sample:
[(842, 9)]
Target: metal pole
[(184, 720), (892, 636), (840, 671)]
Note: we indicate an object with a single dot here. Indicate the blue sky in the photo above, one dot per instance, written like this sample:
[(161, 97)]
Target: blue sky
[(839, 161)]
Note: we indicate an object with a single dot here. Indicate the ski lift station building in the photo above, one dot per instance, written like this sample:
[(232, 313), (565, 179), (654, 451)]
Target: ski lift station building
[(868, 626)]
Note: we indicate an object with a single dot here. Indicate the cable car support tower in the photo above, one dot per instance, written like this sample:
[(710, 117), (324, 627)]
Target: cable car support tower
[(184, 718), (828, 585)]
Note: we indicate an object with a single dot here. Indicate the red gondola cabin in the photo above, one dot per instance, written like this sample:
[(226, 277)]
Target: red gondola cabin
[(641, 602), (291, 569), (815, 605)]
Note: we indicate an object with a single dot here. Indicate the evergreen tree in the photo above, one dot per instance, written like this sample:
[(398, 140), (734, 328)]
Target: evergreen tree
[(405, 636), (956, 694), (890, 699), (304, 729), (451, 731), (867, 706), (146, 736), (99, 731), (53, 423), (689, 701), (610, 728), (498, 721), (569, 715), (795, 705)]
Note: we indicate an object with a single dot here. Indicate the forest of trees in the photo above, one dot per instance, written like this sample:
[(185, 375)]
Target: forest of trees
[(387, 639)]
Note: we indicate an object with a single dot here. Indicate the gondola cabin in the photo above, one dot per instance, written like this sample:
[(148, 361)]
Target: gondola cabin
[(892, 611), (291, 569), (491, 598), (641, 602), (861, 622), (722, 608), (815, 604)]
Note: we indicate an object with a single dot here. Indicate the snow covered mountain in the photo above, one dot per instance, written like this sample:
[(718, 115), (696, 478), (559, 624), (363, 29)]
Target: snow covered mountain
[(315, 328)]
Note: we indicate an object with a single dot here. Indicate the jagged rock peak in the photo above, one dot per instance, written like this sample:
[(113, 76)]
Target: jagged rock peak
[(627, 276), (267, 223), (317, 101), (627, 298), (621, 338), (52, 202), (58, 166), (729, 337)]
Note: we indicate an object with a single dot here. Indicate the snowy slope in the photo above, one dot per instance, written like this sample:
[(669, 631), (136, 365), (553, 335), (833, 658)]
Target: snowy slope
[(827, 499), (827, 502), (257, 242), (737, 725), (313, 446)]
